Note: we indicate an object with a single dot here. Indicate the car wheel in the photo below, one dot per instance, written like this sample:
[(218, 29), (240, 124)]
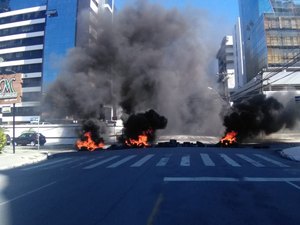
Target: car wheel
[(32, 143)]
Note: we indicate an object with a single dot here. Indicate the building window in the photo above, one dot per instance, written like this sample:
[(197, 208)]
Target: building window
[(23, 55), (22, 42), (32, 82), (30, 96), (22, 29), (22, 17), (30, 68), (24, 111)]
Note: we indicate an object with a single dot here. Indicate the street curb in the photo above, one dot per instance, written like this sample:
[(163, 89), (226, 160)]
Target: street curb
[(53, 154), (290, 157)]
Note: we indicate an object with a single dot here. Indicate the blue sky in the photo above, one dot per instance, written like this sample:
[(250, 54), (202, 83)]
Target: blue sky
[(224, 10)]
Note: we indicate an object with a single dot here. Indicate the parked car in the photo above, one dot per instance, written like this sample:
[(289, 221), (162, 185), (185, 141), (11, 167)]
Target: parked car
[(8, 139), (30, 138)]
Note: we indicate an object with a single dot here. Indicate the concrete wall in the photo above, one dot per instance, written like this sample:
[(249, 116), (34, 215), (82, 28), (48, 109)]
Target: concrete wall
[(57, 134)]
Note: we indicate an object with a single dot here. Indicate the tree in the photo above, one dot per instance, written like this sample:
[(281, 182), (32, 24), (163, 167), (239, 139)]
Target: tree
[(2, 139)]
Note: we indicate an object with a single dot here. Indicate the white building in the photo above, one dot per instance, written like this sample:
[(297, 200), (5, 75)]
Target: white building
[(226, 73)]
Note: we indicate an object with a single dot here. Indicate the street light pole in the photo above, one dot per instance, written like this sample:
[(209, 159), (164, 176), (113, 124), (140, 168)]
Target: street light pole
[(14, 127), (14, 119)]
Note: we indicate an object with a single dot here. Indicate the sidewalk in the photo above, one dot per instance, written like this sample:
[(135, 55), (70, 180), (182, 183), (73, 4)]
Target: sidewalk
[(291, 153), (26, 155)]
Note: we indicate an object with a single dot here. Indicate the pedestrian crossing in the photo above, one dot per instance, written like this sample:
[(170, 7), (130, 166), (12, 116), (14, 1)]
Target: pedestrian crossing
[(161, 160)]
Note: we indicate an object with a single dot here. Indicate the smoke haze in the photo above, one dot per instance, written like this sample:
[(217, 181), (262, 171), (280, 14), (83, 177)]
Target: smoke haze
[(150, 57)]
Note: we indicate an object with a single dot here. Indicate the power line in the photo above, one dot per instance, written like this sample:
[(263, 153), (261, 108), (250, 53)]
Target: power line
[(293, 61)]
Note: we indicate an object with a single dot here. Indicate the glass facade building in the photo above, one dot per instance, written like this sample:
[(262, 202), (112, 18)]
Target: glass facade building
[(271, 35), (34, 37)]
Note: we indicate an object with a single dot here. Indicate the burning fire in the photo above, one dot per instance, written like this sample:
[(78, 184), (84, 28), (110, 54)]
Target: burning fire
[(229, 139), (142, 140), (89, 144)]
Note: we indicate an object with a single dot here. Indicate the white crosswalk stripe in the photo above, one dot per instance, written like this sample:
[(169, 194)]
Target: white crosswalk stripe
[(230, 161), (63, 165), (121, 161), (271, 160), (101, 162), (163, 161), (185, 161), (207, 160), (46, 164), (142, 161), (85, 162), (249, 160)]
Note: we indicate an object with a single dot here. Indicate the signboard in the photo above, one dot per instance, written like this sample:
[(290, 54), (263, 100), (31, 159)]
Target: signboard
[(6, 109), (10, 88)]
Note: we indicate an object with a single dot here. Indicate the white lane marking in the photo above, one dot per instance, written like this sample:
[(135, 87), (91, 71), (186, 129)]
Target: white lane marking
[(294, 185), (232, 179), (46, 164), (271, 160), (62, 164), (142, 161), (185, 161), (121, 161), (163, 161), (85, 162), (207, 160), (200, 179), (271, 179), (101, 162), (26, 194), (230, 161), (249, 160)]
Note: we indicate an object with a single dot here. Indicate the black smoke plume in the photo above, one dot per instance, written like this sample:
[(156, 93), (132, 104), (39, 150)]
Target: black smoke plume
[(140, 123), (148, 57), (260, 115)]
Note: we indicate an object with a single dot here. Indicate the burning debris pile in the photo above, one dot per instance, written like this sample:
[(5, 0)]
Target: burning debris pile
[(230, 139), (91, 136), (259, 115), (139, 129)]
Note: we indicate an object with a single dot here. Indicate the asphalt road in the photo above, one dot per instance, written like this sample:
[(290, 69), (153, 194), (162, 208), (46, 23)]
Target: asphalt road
[(172, 186)]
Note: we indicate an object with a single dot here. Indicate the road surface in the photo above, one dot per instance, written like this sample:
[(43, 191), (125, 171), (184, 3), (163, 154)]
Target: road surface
[(184, 186)]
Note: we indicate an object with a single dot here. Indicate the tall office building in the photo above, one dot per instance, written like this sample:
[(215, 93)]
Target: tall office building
[(238, 55), (270, 45), (270, 32), (34, 37)]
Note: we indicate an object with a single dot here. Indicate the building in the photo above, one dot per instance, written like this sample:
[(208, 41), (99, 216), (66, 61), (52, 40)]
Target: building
[(231, 75), (238, 55), (271, 45), (34, 36), (226, 74)]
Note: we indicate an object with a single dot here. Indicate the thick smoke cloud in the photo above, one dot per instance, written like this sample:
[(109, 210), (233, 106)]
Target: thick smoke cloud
[(148, 122), (261, 115), (149, 57)]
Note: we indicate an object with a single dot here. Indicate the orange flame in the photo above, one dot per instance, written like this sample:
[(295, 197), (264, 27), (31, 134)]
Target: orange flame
[(141, 142), (229, 139), (89, 144)]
